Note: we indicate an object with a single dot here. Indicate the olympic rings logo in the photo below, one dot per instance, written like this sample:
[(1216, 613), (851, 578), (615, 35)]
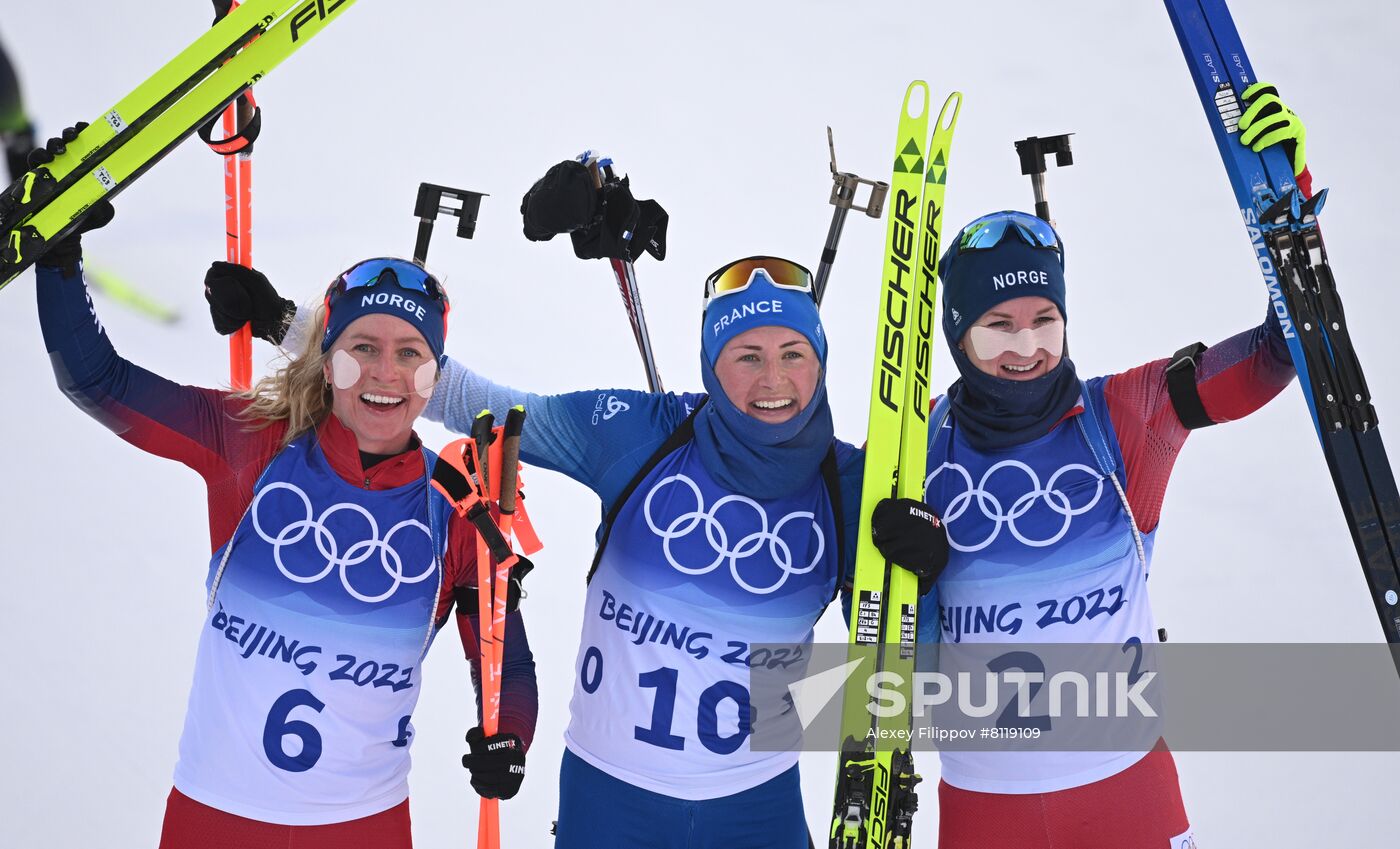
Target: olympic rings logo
[(718, 538), (993, 509), (329, 547)]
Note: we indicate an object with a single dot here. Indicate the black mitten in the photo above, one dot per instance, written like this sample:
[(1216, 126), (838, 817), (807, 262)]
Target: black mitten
[(562, 201), (238, 295)]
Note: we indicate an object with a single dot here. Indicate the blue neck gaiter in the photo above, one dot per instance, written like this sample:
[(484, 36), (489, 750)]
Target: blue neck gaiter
[(994, 412), (759, 459)]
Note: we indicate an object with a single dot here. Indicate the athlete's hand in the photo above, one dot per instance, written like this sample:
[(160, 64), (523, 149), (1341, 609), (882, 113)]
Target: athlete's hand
[(908, 534), (55, 146), (68, 253), (496, 763), (602, 222), (1267, 121), (239, 296), (625, 228), (562, 201)]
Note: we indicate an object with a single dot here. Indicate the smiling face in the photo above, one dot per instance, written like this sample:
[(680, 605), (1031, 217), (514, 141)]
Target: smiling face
[(769, 373), (381, 372), (994, 350)]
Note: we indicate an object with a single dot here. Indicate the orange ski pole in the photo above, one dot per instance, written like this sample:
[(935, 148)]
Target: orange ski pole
[(241, 122), (488, 828)]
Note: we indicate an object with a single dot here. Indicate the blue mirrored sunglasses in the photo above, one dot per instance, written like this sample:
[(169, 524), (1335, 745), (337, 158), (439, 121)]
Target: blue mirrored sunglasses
[(401, 272), (988, 231)]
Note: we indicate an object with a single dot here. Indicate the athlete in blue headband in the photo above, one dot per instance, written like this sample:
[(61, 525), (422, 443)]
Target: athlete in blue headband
[(1050, 489), (334, 563)]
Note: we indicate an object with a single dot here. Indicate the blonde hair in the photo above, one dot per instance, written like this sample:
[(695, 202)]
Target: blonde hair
[(297, 393)]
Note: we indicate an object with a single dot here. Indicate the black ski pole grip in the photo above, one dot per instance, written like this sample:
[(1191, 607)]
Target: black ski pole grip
[(510, 457), (481, 435)]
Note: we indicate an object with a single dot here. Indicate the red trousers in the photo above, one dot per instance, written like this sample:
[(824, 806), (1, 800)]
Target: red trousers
[(191, 825), (1139, 808)]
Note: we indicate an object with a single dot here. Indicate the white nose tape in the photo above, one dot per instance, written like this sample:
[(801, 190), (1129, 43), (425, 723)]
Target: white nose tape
[(424, 379), (345, 370), (988, 343)]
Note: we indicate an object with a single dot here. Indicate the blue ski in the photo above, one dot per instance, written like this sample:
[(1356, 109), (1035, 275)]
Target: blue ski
[(1287, 239)]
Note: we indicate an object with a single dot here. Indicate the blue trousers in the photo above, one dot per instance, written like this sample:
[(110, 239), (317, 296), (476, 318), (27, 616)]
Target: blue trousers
[(597, 811)]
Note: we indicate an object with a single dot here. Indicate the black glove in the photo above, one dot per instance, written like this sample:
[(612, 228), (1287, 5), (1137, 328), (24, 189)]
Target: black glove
[(602, 222), (239, 296), (497, 763), (55, 146), (909, 535), (626, 228), (68, 253), (562, 201)]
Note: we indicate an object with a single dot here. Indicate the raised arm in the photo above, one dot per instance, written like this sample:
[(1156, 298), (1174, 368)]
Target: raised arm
[(597, 437), (193, 425), (1234, 378)]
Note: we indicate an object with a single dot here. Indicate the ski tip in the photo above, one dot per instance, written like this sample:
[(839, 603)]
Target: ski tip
[(948, 115), (916, 99)]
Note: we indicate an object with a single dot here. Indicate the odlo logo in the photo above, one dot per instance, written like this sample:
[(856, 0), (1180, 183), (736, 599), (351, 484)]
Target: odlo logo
[(607, 407), (318, 10)]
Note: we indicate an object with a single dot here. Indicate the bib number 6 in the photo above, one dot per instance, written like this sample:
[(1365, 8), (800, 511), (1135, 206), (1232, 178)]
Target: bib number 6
[(280, 726)]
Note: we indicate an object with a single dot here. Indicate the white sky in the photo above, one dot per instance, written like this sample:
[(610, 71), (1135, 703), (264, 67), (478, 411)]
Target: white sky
[(717, 110)]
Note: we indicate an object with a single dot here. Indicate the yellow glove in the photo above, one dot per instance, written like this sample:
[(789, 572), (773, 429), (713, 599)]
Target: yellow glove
[(1267, 121)]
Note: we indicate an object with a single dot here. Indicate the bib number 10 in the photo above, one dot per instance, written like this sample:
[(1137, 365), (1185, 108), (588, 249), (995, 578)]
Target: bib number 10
[(663, 707)]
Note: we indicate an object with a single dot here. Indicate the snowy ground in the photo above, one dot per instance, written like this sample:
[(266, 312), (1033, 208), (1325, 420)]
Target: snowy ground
[(718, 110)]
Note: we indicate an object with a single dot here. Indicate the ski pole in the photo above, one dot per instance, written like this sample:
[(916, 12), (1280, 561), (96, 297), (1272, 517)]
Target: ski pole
[(237, 150), (1033, 151), (626, 274), (239, 225), (488, 819), (843, 196), (462, 474), (507, 480)]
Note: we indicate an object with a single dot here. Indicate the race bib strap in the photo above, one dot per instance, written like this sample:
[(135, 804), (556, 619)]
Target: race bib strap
[(1093, 433), (680, 436), (831, 476)]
